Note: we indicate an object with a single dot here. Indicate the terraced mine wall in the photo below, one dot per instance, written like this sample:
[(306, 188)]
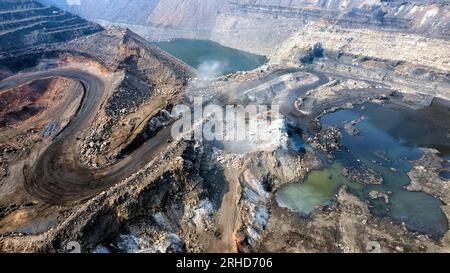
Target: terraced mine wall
[(104, 78), (427, 81), (259, 26), (27, 24)]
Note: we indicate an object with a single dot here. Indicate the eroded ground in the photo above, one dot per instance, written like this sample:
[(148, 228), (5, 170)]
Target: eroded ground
[(87, 154)]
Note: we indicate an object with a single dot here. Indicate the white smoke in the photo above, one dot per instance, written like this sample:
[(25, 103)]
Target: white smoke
[(73, 2), (211, 69)]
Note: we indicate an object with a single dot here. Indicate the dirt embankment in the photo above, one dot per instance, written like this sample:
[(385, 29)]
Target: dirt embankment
[(142, 79), (21, 103), (96, 101)]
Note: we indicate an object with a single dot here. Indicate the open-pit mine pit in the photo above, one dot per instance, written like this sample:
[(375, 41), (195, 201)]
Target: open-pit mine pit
[(356, 126)]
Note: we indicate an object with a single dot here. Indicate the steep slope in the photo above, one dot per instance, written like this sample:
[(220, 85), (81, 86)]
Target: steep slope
[(27, 24), (188, 14), (71, 103), (249, 24), (120, 11), (86, 153)]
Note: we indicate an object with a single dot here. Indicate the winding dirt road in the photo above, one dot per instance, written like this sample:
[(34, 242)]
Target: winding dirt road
[(229, 216), (59, 178)]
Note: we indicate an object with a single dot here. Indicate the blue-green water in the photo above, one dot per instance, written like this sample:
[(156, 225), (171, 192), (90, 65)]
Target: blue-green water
[(445, 175), (389, 138), (318, 189), (211, 59)]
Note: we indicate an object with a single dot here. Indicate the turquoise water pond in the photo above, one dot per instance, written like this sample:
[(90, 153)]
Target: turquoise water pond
[(390, 137)]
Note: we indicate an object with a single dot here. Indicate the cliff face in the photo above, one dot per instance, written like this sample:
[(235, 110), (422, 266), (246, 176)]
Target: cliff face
[(189, 14), (162, 13), (430, 17), (260, 26), (135, 11)]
